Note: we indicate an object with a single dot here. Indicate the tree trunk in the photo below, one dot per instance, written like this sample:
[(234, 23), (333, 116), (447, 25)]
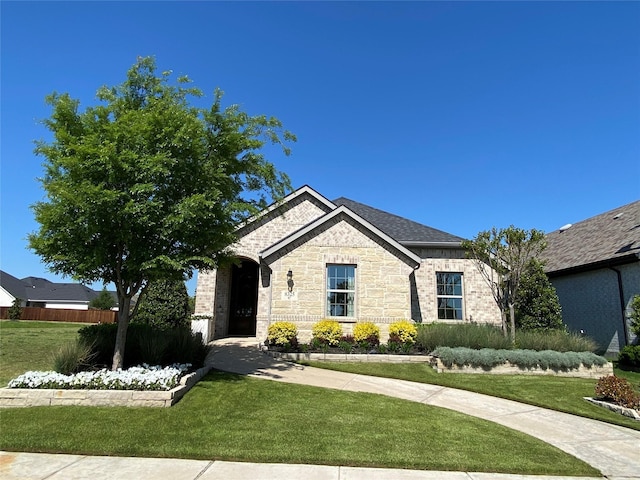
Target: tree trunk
[(512, 318), (503, 316), (121, 335)]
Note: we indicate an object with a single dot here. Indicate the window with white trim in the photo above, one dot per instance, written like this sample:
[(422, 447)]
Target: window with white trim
[(450, 296), (341, 290)]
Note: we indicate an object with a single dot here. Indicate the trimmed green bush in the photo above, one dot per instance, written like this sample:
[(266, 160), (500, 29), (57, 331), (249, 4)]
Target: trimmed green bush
[(164, 305), (545, 359), (630, 356), (327, 332)]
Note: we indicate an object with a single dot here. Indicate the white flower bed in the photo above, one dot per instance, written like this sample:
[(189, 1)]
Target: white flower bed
[(143, 377)]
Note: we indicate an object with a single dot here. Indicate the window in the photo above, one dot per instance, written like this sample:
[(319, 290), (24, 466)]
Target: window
[(449, 296), (341, 290)]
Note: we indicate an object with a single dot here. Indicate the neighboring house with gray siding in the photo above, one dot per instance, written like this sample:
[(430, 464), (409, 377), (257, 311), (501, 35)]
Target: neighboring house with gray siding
[(308, 258), (595, 267)]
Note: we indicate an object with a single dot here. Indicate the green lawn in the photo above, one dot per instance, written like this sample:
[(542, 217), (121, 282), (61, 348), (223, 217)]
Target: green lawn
[(26, 345), (230, 417), (556, 393), (237, 418)]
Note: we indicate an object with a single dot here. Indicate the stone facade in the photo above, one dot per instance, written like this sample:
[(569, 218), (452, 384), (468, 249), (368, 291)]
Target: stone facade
[(392, 282)]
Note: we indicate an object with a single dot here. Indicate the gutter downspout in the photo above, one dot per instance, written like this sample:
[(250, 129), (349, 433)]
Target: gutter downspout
[(625, 327)]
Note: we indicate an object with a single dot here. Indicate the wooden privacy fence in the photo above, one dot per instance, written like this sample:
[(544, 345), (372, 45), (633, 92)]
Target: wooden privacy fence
[(63, 315)]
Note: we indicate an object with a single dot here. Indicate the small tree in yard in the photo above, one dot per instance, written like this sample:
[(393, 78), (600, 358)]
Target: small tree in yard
[(165, 304), (104, 301), (15, 310), (635, 315), (145, 186), (537, 306), (501, 257)]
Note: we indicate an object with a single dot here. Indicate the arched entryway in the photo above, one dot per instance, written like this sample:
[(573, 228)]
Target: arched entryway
[(243, 304)]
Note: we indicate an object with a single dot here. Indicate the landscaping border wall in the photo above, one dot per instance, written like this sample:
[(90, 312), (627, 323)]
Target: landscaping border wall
[(594, 371), (506, 369), (37, 397)]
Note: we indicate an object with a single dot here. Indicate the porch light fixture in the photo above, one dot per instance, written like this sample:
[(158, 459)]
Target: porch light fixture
[(290, 280)]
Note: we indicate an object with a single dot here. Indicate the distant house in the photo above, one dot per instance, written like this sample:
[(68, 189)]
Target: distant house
[(308, 258), (595, 267), (39, 292)]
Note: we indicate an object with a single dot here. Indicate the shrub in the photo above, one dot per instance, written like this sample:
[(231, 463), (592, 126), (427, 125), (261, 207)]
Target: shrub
[(630, 356), (72, 357), (488, 358), (327, 332), (536, 305), (617, 390), (403, 332), (366, 332), (15, 310), (164, 304), (145, 344), (635, 315), (282, 334), (468, 335), (104, 300), (557, 340)]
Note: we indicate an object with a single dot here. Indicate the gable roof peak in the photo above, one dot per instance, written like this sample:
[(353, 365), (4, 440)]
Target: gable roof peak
[(405, 231)]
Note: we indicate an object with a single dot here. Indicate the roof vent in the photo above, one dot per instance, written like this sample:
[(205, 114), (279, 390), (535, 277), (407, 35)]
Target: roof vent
[(618, 215), (565, 227)]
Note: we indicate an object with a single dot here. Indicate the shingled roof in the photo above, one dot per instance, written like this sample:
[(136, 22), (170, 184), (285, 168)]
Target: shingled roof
[(13, 285), (404, 231), (607, 239)]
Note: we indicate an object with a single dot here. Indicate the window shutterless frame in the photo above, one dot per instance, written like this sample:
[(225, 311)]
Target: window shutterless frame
[(341, 290), (450, 296)]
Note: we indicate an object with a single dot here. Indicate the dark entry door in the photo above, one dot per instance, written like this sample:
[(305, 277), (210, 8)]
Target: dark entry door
[(244, 299)]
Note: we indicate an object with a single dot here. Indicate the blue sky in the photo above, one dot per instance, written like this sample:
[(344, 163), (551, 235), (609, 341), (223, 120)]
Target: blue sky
[(458, 115)]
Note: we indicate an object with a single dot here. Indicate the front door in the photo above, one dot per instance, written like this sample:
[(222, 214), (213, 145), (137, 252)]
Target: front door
[(244, 299)]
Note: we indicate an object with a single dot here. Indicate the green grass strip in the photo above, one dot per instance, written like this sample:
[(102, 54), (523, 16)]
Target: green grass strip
[(230, 417), (556, 393)]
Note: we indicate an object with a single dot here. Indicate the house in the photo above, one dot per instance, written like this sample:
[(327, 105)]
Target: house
[(39, 292), (307, 258), (595, 267)]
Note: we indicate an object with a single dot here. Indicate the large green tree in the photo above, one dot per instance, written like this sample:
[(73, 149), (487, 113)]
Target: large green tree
[(144, 185), (501, 257), (537, 306)]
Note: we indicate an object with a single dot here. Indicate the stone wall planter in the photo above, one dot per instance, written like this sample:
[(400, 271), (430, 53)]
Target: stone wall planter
[(510, 369), (627, 412), (36, 397), (350, 357)]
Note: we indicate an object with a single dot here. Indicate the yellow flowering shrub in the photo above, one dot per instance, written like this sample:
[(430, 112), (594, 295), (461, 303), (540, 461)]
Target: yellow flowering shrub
[(403, 331), (328, 332), (282, 334), (366, 332)]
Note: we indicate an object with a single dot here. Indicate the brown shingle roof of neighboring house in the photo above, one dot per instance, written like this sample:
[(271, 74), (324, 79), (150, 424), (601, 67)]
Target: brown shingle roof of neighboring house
[(611, 238)]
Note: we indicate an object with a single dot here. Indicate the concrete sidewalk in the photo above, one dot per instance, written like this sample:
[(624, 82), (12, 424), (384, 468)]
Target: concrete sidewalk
[(41, 466), (613, 450)]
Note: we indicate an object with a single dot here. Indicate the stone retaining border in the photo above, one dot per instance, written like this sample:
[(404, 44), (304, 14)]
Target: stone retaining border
[(349, 357), (36, 397), (627, 412), (506, 369), (594, 371)]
